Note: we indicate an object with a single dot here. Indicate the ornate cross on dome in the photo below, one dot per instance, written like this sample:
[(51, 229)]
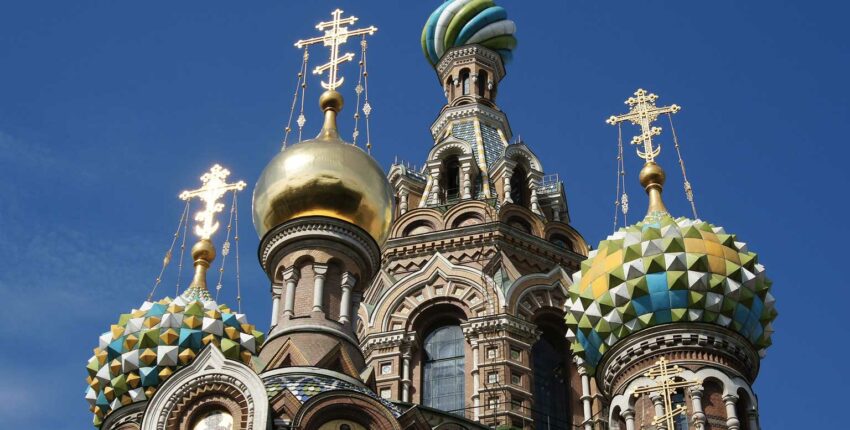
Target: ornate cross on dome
[(663, 374), (335, 35), (213, 189), (643, 112)]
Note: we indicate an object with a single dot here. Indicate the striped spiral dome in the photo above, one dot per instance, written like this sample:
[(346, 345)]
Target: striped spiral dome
[(466, 22)]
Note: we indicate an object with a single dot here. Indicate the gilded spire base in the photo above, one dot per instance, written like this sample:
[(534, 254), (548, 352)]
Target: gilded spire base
[(203, 254), (331, 103), (652, 178)]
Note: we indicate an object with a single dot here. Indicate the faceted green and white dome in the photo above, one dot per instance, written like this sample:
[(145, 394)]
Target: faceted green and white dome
[(467, 22), (149, 344), (664, 270)]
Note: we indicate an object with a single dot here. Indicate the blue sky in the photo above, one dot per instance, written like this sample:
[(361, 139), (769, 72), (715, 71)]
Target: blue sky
[(109, 109)]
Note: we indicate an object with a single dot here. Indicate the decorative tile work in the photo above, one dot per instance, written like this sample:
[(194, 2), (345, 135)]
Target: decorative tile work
[(304, 387), (149, 344), (665, 270)]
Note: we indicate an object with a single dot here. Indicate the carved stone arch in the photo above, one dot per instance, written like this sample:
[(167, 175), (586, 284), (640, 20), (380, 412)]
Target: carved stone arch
[(462, 282), (523, 295), (742, 385), (729, 386), (450, 146), (523, 155), (511, 213), (421, 215), (211, 381), (462, 212), (126, 418), (554, 228), (347, 405)]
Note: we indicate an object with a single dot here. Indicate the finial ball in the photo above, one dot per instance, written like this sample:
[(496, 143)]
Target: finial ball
[(203, 250), (331, 100), (651, 174)]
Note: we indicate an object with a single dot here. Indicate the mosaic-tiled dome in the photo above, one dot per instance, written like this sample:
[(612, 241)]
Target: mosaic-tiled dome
[(466, 22), (665, 270), (149, 344), (305, 386)]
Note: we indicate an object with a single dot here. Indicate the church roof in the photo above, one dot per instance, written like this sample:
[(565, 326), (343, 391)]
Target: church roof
[(466, 22), (305, 387)]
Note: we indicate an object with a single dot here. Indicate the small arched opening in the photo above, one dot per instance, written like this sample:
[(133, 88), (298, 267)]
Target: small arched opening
[(562, 241), (465, 82), (519, 188), (451, 179), (482, 83)]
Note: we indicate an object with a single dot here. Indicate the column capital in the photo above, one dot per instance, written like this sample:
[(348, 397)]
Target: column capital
[(730, 398), (320, 270), (291, 274), (348, 280), (627, 414)]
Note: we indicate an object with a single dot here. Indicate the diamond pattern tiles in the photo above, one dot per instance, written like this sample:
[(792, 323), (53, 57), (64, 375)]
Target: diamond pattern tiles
[(304, 387), (665, 270), (149, 344)]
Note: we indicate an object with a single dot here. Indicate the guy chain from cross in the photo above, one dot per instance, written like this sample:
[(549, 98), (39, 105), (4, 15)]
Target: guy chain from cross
[(335, 35), (643, 112), (663, 373), (214, 187)]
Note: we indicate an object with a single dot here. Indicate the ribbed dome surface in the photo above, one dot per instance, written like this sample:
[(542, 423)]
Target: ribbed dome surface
[(664, 270), (466, 22)]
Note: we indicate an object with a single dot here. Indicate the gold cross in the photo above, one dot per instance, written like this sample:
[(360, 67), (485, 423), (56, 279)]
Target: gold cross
[(663, 373), (643, 112), (335, 35), (214, 187)]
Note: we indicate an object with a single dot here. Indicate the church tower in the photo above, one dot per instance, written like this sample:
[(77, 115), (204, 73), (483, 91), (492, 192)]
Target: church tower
[(466, 312), (671, 315)]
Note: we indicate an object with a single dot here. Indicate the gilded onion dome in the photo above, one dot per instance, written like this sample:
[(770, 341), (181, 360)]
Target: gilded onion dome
[(467, 22), (324, 176), (147, 345)]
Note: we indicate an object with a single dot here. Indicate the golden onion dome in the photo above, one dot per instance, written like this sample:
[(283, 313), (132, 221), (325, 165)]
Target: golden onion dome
[(324, 176)]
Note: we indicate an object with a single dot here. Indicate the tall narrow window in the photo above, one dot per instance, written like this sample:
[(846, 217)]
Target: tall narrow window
[(452, 184), (550, 382), (680, 422), (519, 190), (464, 81), (482, 83), (442, 374)]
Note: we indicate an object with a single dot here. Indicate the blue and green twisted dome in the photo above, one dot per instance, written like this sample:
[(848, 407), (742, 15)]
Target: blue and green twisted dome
[(466, 22), (149, 344), (665, 270)]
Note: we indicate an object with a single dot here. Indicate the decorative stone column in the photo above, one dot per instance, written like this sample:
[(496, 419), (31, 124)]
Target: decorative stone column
[(732, 422), (476, 382), (585, 397), (290, 277), (658, 401), (629, 416), (534, 200), (753, 418), (467, 183), (403, 195), (405, 372), (319, 273), (506, 198), (276, 292), (348, 282), (434, 198), (698, 417)]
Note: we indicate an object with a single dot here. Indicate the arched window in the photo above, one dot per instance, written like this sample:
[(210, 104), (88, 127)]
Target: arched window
[(464, 81), (519, 190), (216, 419), (562, 241), (680, 422), (442, 372), (482, 83), (451, 186), (551, 380)]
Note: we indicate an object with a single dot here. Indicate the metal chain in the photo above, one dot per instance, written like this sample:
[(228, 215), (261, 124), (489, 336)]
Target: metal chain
[(225, 249), (302, 73), (367, 108), (621, 203), (236, 241), (301, 118), (167, 258), (689, 192), (359, 91), (182, 253)]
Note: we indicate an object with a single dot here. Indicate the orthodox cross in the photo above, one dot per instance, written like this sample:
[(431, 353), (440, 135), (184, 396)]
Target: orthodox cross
[(643, 112), (335, 35), (213, 188), (663, 373)]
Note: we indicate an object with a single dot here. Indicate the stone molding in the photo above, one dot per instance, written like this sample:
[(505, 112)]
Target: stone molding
[(503, 322), (130, 414), (490, 116), (712, 344), (386, 340), (469, 54), (317, 227), (210, 369)]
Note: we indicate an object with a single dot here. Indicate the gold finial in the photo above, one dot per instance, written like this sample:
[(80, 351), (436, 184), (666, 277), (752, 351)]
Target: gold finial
[(665, 385), (643, 112), (335, 35), (203, 253)]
